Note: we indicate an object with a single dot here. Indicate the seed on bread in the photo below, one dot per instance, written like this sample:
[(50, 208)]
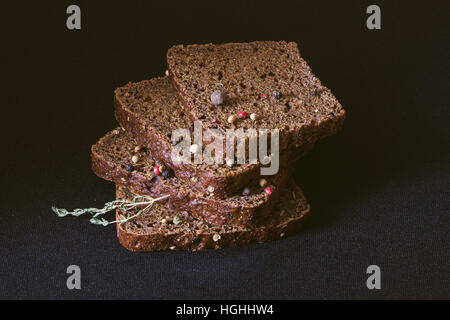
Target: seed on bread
[(135, 159), (231, 119), (195, 148), (242, 114), (218, 97), (147, 233), (276, 95), (262, 182), (176, 220)]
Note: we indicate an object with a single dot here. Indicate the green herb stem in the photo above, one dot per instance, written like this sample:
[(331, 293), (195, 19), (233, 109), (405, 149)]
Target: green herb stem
[(123, 204)]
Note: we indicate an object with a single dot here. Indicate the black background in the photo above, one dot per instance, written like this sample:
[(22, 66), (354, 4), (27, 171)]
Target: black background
[(378, 190)]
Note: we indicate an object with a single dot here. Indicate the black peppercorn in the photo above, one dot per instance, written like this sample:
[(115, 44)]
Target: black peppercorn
[(246, 191), (218, 97), (276, 95), (129, 168), (167, 173)]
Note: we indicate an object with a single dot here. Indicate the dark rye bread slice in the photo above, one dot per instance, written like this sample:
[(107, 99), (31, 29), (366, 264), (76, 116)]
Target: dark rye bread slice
[(267, 78), (150, 110), (149, 232), (114, 152)]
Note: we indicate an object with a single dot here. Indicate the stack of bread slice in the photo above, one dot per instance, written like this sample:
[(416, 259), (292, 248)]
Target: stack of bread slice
[(259, 85)]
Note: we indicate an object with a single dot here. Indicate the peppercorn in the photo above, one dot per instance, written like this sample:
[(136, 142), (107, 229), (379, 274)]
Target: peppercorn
[(246, 191), (268, 191), (156, 170), (194, 148), (129, 168), (176, 220), (166, 173), (242, 114), (218, 97), (276, 95), (262, 182), (231, 119)]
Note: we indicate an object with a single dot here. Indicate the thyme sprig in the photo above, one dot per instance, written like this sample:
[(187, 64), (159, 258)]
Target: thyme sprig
[(123, 204)]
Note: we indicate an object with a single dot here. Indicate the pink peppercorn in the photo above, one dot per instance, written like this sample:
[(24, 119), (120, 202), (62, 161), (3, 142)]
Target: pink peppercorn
[(242, 114), (156, 170), (268, 191), (264, 96)]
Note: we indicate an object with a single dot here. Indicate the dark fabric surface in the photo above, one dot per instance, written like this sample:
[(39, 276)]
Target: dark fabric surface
[(378, 190)]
